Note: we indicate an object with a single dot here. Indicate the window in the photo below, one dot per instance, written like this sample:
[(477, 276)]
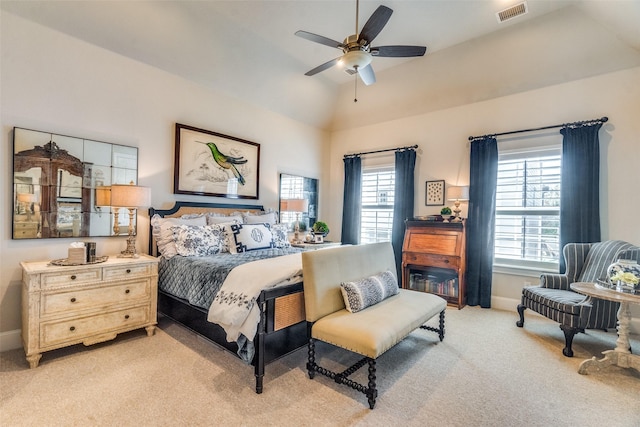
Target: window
[(528, 209), (377, 205), (291, 187)]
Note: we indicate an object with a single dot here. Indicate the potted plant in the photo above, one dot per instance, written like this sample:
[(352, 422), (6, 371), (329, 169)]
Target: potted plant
[(321, 228)]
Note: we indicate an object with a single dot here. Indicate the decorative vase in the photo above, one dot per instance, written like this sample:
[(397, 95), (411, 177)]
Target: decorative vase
[(624, 275)]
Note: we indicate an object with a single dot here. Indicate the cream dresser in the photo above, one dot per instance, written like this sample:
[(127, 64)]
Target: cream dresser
[(87, 304)]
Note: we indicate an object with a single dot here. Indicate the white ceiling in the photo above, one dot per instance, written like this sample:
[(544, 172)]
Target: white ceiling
[(248, 48)]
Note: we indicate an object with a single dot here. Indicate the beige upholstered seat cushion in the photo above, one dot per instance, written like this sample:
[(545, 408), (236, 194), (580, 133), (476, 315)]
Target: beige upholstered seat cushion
[(376, 329)]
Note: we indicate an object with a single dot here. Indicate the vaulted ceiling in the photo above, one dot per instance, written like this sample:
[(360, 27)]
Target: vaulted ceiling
[(248, 49)]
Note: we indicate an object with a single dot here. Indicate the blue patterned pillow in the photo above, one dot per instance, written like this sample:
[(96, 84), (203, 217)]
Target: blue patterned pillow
[(366, 292), (202, 240), (250, 237), (280, 235)]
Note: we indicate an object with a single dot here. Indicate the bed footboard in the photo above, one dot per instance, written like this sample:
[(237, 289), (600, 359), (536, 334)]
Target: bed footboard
[(282, 328)]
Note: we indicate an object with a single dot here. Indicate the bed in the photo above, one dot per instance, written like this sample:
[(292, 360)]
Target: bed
[(281, 326)]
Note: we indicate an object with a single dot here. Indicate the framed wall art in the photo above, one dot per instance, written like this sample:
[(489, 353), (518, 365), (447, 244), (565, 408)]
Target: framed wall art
[(434, 193), (212, 164)]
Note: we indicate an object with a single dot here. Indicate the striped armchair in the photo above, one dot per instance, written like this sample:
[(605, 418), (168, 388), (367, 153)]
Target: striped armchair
[(552, 298)]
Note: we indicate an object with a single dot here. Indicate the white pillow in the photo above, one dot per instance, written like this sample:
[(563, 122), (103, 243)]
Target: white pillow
[(216, 219), (266, 218), (198, 240), (161, 230), (368, 291), (249, 237)]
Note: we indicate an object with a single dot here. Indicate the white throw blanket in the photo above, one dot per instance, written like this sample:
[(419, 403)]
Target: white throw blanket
[(234, 307)]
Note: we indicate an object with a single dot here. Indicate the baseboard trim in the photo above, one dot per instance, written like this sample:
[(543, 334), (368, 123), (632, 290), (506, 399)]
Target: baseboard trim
[(509, 304), (10, 340)]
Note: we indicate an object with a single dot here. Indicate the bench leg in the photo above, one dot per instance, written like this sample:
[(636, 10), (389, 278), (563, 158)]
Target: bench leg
[(311, 363), (439, 329), (371, 392)]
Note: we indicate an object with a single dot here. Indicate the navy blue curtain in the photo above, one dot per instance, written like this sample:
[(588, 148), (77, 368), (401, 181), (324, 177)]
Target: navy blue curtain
[(404, 201), (580, 191), (481, 221), (351, 205)]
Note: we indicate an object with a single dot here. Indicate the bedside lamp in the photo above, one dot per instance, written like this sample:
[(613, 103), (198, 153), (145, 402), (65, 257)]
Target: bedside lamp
[(130, 197), (297, 206), (27, 199), (458, 194)]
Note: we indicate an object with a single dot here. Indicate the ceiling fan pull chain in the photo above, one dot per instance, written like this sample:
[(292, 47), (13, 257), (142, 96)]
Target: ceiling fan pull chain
[(355, 90)]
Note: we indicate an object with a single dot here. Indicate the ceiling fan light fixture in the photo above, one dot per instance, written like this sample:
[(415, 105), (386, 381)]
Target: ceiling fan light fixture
[(356, 58)]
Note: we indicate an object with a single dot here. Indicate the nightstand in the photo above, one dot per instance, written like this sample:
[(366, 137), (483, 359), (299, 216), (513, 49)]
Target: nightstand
[(313, 246), (88, 304)]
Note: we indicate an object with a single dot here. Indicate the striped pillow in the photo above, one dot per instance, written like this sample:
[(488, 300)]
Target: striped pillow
[(366, 292)]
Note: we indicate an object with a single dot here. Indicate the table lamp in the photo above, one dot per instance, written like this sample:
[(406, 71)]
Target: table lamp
[(27, 199), (458, 194), (298, 206), (130, 197)]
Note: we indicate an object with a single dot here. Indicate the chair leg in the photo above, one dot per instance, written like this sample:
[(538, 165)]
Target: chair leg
[(569, 333), (521, 309)]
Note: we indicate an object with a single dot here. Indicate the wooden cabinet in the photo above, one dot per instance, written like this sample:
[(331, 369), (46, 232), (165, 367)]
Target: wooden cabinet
[(87, 304), (433, 259)]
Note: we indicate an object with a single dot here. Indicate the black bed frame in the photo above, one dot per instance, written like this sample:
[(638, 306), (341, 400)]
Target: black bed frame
[(271, 342)]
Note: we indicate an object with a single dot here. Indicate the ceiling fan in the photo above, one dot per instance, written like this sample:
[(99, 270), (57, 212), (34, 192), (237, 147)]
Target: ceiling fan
[(357, 50)]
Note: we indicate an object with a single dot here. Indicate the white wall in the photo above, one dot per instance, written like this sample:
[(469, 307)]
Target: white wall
[(52, 82), (443, 153)]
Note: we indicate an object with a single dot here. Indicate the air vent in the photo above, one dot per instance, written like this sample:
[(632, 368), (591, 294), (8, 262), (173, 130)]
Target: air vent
[(512, 12)]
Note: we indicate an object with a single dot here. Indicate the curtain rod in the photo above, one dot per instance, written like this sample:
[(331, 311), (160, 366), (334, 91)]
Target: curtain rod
[(601, 120), (380, 151)]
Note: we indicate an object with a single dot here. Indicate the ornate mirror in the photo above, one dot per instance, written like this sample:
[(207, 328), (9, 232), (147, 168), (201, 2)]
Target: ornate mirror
[(54, 182)]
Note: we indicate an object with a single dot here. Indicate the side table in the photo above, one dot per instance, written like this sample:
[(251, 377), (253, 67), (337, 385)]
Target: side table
[(621, 355), (313, 246)]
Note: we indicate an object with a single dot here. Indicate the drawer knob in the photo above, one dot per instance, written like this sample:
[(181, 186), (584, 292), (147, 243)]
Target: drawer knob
[(126, 316), (73, 299), (446, 261), (127, 291), (73, 277), (73, 328), (128, 270)]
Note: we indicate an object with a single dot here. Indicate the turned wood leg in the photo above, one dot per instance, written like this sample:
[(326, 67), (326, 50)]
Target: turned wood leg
[(441, 324), (312, 358), (521, 309), (150, 330), (624, 320), (371, 392), (569, 333), (33, 360)]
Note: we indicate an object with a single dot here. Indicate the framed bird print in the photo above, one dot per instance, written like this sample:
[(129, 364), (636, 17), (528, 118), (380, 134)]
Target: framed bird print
[(212, 164), (434, 193)]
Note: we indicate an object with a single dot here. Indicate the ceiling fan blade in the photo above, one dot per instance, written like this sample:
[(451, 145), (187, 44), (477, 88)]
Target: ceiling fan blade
[(319, 39), (367, 75), (323, 67), (375, 24), (398, 51)]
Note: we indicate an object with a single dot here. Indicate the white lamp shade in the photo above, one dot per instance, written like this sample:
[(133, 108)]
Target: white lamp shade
[(356, 58), (294, 205), (130, 196), (27, 197), (103, 196), (458, 193)]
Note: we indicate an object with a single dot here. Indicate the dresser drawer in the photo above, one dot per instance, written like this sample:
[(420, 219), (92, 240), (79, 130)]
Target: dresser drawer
[(433, 260), (72, 277), (125, 272), (52, 333), (79, 299)]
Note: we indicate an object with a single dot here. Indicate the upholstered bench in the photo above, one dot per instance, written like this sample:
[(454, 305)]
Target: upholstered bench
[(339, 286)]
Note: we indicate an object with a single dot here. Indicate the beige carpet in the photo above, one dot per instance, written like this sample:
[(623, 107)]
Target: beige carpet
[(486, 372)]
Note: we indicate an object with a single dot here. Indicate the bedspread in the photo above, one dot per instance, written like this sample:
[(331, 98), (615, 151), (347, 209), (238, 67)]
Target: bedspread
[(234, 307)]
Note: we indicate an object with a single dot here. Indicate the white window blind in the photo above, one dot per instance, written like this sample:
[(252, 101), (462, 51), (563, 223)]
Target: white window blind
[(377, 205), (528, 208)]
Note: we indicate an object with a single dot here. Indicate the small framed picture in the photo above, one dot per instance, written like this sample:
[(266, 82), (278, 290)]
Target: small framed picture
[(434, 193), (318, 238)]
